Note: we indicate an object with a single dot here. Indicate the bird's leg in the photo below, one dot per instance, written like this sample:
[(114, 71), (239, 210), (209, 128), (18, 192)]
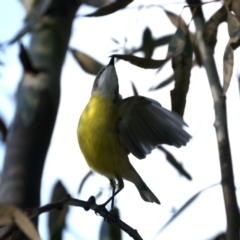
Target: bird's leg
[(120, 187), (113, 185)]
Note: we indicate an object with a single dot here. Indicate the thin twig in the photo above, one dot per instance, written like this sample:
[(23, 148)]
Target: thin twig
[(84, 180)]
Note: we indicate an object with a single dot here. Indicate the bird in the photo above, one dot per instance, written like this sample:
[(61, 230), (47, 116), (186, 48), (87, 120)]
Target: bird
[(110, 128)]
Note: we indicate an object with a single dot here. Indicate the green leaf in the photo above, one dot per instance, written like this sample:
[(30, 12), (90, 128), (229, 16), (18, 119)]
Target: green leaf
[(141, 62), (172, 160), (182, 65), (89, 64), (163, 83), (109, 9)]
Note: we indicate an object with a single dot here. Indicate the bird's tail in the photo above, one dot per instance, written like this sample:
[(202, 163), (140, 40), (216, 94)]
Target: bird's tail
[(146, 194)]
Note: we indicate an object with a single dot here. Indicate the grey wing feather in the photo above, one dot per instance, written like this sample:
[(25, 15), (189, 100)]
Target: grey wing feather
[(144, 124)]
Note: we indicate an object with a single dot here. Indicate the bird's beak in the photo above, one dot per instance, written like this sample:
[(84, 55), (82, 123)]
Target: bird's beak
[(111, 61)]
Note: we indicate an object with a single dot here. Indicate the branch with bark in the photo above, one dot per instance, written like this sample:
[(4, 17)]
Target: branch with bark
[(228, 187), (108, 216)]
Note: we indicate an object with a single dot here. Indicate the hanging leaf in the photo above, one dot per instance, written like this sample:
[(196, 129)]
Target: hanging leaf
[(147, 43), (227, 67), (236, 8), (135, 91), (234, 30), (172, 160), (110, 231), (233, 26), (141, 62), (57, 218), (10, 214), (162, 40), (234, 33), (195, 48), (115, 40), (177, 44), (211, 26), (163, 83), (182, 65), (88, 64), (109, 9), (96, 3), (177, 21), (3, 130), (185, 205)]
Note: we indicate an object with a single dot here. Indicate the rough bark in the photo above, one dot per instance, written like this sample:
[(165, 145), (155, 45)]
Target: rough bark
[(37, 104)]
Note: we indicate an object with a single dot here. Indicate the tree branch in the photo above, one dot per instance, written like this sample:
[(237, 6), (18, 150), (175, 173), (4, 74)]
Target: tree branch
[(220, 125), (109, 216)]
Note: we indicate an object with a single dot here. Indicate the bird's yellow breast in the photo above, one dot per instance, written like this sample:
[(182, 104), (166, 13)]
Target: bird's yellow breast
[(98, 139)]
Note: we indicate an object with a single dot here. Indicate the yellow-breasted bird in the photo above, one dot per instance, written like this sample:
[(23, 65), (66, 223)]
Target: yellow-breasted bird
[(111, 127)]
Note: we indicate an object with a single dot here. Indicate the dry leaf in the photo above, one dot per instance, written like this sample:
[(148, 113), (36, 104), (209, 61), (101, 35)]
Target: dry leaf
[(233, 26), (236, 8), (141, 62), (135, 91), (234, 33), (227, 67), (211, 26), (182, 65), (111, 8), (27, 4), (177, 43), (57, 219), (177, 21), (88, 64), (163, 83), (10, 214), (96, 3)]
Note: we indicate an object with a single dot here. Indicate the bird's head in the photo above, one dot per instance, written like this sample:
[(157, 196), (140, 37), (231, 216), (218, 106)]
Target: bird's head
[(106, 82)]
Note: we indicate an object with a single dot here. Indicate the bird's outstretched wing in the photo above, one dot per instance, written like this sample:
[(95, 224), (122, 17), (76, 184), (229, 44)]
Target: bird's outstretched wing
[(143, 124)]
